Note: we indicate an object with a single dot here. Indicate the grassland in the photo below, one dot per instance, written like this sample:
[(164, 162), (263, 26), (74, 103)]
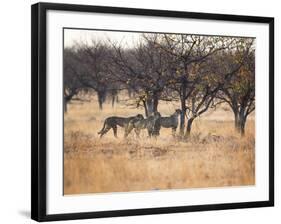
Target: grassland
[(214, 155)]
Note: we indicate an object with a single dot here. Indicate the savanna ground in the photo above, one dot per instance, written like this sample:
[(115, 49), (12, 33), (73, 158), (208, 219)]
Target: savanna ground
[(214, 155)]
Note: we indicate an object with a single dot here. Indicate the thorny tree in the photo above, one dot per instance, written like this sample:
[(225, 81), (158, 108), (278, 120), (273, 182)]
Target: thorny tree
[(72, 69), (94, 60), (188, 51), (239, 91), (198, 71), (143, 70)]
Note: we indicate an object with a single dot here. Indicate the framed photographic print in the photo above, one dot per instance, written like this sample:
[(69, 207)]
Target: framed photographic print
[(139, 111)]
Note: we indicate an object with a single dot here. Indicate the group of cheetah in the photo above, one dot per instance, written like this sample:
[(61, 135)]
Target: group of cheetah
[(152, 123)]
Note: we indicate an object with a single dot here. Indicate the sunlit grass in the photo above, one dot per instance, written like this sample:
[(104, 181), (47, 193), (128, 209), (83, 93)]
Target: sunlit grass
[(214, 155)]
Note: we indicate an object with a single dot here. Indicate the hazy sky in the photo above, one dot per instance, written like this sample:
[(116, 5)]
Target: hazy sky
[(126, 38)]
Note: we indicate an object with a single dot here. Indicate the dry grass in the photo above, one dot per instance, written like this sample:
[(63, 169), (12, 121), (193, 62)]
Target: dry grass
[(214, 156)]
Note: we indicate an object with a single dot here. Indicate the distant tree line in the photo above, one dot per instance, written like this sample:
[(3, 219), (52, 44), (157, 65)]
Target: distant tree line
[(198, 71)]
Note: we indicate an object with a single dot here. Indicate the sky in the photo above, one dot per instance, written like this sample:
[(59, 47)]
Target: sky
[(125, 39), (71, 36)]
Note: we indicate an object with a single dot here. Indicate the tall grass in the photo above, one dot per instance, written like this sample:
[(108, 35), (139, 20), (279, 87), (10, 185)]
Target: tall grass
[(214, 155)]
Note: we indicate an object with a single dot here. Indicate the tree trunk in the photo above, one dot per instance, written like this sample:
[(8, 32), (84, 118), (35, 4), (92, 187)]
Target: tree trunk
[(100, 102), (182, 117), (188, 127), (114, 96), (236, 121), (101, 98), (145, 108), (242, 126), (183, 106), (65, 105), (66, 100), (240, 121), (155, 103), (113, 101), (151, 104)]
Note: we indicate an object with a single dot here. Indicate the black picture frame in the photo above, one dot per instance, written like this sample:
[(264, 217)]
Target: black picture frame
[(39, 123)]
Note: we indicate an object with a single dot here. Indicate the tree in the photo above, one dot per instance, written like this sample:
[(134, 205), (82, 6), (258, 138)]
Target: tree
[(94, 61), (197, 71), (186, 52), (203, 94), (143, 70), (72, 85), (239, 91)]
